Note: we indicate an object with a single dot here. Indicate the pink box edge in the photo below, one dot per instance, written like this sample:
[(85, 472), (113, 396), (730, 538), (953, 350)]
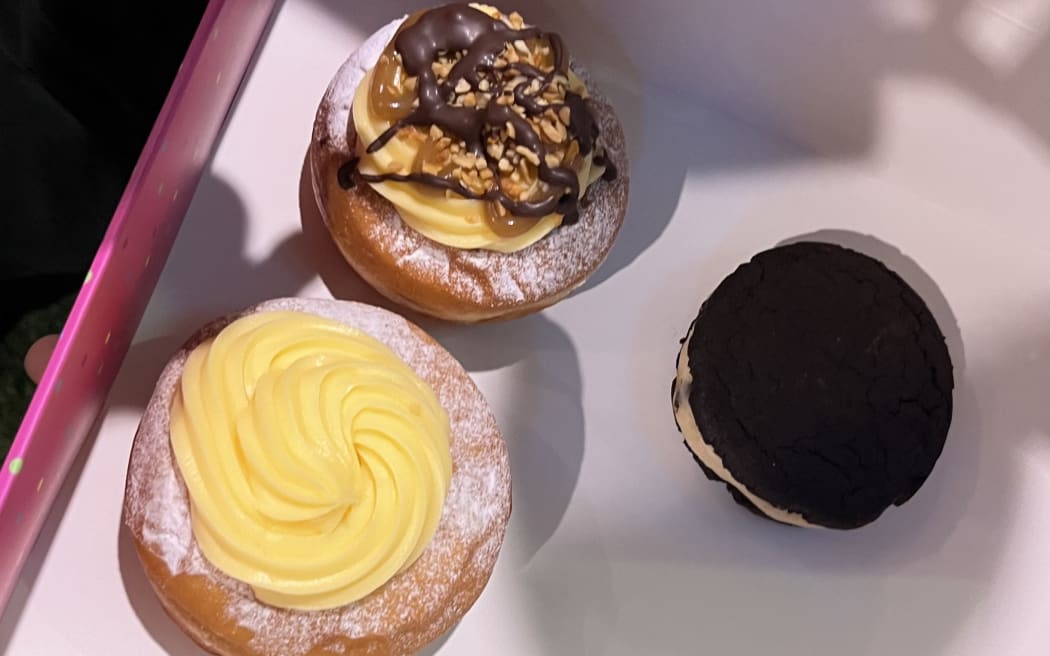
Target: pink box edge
[(78, 417)]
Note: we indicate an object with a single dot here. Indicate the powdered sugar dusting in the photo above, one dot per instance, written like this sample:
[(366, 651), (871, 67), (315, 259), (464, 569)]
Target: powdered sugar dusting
[(416, 605), (549, 269), (172, 538), (344, 84)]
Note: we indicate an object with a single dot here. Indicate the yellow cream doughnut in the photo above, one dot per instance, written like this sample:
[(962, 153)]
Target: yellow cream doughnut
[(317, 462)]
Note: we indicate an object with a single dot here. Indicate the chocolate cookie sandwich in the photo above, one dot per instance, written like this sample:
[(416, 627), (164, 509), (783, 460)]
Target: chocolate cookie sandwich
[(816, 384)]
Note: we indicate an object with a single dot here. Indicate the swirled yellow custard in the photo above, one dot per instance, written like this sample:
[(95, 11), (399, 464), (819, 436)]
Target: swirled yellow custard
[(316, 461)]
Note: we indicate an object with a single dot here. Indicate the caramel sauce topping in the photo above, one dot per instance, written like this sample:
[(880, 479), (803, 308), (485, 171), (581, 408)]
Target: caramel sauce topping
[(489, 101)]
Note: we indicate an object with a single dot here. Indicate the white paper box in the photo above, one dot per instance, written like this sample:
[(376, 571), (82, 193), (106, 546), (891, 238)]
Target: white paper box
[(916, 131)]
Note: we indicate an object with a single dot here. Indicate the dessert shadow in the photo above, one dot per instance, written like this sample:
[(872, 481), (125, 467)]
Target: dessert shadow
[(539, 408), (143, 600), (143, 365), (316, 249), (218, 256), (658, 162), (565, 589), (435, 647), (209, 261), (657, 159)]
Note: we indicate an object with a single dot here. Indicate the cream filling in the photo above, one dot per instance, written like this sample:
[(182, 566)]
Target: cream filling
[(706, 453), (317, 461)]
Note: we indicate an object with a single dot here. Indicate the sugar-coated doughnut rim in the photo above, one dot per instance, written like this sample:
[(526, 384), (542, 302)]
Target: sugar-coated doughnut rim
[(449, 283), (409, 611)]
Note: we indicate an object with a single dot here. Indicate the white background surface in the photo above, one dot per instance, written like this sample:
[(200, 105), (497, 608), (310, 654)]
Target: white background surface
[(922, 124)]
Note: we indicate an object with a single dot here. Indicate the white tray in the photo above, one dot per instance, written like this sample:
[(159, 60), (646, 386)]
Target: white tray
[(923, 125)]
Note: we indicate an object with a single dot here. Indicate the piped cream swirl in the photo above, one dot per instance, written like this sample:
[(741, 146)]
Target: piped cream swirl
[(317, 462)]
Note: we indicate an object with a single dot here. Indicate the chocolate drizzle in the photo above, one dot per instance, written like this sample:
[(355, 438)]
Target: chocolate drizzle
[(459, 28), (345, 174)]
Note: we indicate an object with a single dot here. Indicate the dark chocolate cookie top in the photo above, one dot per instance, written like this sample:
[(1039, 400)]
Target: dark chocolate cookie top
[(822, 381)]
